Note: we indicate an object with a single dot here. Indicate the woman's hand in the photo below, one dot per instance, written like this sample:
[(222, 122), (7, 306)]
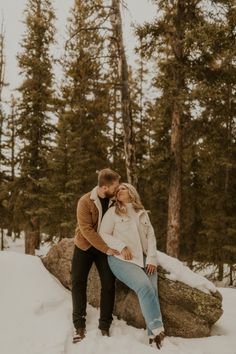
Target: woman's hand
[(112, 252), (126, 254), (150, 269)]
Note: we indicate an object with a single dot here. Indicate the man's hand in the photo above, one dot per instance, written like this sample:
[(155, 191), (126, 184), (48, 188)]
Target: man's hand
[(126, 253), (150, 269), (112, 252)]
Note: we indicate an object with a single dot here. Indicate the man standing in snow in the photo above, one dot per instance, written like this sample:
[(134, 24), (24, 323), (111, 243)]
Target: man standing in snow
[(90, 248)]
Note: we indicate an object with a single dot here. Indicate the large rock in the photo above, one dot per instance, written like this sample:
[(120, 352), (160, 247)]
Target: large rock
[(187, 312)]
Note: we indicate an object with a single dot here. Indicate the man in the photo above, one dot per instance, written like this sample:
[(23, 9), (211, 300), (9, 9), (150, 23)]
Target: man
[(89, 248)]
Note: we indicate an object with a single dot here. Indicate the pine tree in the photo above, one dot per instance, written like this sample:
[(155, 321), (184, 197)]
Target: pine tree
[(168, 36), (61, 196), (216, 92), (35, 109), (156, 168), (82, 141), (207, 115), (14, 216), (2, 119), (142, 121), (116, 151), (126, 109), (2, 84)]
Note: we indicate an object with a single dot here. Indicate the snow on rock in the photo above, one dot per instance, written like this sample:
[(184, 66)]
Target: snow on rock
[(35, 318), (179, 272), (180, 303)]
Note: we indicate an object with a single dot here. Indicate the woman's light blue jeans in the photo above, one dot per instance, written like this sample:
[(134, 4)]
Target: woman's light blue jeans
[(144, 285)]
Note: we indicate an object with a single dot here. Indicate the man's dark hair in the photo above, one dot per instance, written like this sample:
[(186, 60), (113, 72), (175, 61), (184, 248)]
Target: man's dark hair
[(107, 176)]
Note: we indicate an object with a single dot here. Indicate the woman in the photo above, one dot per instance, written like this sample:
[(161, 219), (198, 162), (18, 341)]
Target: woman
[(126, 227)]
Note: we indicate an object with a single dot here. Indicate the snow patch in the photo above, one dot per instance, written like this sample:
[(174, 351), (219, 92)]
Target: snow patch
[(35, 317), (179, 272)]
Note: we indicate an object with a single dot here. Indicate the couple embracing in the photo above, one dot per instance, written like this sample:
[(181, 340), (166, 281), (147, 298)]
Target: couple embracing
[(114, 232)]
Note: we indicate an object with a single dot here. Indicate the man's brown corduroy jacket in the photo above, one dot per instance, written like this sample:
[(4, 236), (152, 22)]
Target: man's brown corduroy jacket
[(89, 215)]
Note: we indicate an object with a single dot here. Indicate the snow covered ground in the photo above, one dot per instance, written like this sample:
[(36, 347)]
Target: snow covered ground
[(35, 317), (19, 245)]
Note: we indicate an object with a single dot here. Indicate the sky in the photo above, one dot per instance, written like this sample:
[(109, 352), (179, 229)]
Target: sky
[(36, 315), (138, 11)]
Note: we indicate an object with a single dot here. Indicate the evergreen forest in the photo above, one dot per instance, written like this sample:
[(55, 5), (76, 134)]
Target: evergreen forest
[(166, 123)]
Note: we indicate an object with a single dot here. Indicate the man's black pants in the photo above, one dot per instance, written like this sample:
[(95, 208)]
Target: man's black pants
[(81, 265)]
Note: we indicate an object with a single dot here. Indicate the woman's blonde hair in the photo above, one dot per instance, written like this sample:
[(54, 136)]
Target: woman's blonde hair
[(134, 199)]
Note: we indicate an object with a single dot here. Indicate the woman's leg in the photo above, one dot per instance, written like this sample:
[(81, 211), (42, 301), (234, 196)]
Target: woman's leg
[(135, 278), (153, 280)]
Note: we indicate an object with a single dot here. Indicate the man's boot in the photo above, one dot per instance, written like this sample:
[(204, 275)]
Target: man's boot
[(79, 334)]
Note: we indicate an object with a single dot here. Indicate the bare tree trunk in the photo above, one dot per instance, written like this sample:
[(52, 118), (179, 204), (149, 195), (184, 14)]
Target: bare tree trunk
[(2, 240), (32, 236), (129, 145), (2, 77), (29, 243), (231, 274), (2, 59), (114, 133), (190, 263), (174, 201), (229, 119), (1, 128), (12, 161), (9, 231), (220, 271), (12, 128), (2, 83)]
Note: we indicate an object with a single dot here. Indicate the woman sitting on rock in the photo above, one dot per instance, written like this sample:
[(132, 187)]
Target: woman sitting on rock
[(126, 227)]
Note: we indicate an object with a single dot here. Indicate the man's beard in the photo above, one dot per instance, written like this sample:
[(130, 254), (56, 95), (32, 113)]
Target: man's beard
[(109, 194)]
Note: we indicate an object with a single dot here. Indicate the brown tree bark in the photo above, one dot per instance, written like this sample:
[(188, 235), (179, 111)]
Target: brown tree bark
[(32, 236), (231, 275), (2, 84), (129, 145), (2, 240), (174, 200), (2, 59), (220, 271), (2, 77)]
